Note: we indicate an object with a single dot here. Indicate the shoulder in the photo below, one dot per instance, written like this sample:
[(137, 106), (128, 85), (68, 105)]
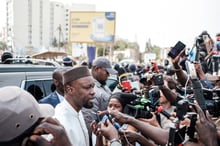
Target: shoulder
[(50, 96)]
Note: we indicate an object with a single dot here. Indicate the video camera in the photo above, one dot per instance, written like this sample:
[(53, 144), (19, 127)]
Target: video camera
[(207, 99), (211, 98), (143, 106), (212, 101), (178, 133)]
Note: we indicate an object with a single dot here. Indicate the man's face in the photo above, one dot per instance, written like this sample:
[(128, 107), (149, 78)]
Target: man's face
[(102, 75), (84, 92), (58, 82)]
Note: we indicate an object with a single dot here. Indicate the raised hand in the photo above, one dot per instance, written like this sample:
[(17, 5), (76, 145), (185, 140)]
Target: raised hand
[(53, 127)]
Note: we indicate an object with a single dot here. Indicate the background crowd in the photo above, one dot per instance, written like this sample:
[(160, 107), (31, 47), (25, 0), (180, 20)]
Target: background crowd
[(148, 104)]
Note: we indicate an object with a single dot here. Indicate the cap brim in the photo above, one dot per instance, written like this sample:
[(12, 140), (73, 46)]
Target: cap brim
[(67, 61), (111, 71), (46, 110)]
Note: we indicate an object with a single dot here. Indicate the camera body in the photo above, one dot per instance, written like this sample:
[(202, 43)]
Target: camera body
[(199, 40), (213, 106), (178, 133), (138, 111), (212, 100), (142, 106)]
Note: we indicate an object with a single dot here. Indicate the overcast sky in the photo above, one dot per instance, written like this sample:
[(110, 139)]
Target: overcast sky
[(163, 21)]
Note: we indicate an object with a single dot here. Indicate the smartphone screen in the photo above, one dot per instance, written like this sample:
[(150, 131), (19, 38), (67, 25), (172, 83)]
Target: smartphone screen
[(176, 49), (190, 68)]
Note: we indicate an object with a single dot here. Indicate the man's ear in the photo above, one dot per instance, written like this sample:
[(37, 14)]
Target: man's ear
[(68, 88), (56, 82)]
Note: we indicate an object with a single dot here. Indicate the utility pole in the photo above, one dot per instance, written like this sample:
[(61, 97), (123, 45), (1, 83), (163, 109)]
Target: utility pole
[(60, 30)]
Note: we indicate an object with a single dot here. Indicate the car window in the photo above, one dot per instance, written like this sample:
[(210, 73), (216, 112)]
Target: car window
[(48, 86), (38, 88)]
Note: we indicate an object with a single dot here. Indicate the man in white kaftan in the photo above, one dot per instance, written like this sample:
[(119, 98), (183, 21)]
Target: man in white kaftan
[(74, 125)]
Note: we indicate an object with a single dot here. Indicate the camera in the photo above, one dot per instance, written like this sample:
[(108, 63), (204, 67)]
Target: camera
[(178, 133), (143, 106), (212, 100), (199, 40), (213, 106)]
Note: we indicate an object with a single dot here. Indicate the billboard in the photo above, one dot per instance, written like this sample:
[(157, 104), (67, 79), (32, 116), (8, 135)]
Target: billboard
[(148, 57), (92, 27)]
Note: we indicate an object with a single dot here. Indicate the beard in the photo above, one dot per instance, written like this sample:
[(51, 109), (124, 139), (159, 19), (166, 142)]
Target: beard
[(88, 105), (102, 82)]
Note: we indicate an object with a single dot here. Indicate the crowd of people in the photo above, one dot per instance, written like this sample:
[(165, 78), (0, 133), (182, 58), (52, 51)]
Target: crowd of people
[(171, 106)]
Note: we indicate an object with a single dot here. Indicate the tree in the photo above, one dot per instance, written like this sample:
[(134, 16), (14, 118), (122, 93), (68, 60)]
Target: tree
[(133, 45), (3, 45), (120, 56), (121, 45), (156, 49), (100, 49), (61, 44), (54, 42)]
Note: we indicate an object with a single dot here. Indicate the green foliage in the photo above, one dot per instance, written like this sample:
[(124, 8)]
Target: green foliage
[(100, 51), (54, 42), (61, 44), (124, 44), (3, 45), (156, 49), (120, 56), (133, 45), (121, 45)]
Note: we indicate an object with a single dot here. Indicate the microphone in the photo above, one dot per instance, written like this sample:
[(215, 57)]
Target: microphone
[(164, 112), (128, 96)]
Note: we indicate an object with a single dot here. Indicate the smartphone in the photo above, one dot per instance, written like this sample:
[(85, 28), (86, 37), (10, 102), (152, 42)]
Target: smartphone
[(158, 80), (190, 68), (126, 85), (179, 46), (95, 116), (124, 127)]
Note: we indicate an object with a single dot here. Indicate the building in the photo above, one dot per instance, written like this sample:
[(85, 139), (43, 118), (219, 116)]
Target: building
[(35, 25), (27, 25)]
